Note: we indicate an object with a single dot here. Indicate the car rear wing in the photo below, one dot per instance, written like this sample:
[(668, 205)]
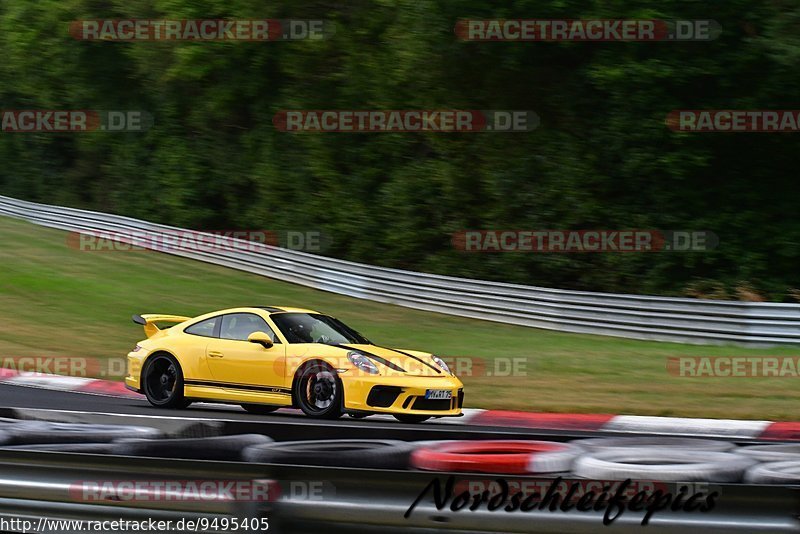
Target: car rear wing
[(149, 320)]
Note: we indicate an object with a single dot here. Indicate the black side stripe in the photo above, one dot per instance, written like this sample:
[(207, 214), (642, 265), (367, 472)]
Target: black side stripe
[(229, 385), (420, 360), (377, 358)]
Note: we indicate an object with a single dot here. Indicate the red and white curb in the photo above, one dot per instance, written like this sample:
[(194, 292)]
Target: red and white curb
[(633, 424), (65, 383), (640, 424)]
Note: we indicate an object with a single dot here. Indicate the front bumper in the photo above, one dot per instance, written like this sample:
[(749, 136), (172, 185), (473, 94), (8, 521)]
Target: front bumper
[(402, 395)]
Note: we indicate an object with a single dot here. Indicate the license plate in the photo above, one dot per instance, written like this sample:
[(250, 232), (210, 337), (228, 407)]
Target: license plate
[(439, 394)]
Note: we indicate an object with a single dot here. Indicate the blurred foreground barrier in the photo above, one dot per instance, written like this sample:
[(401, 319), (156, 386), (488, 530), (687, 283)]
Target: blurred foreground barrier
[(214, 448), (647, 463), (786, 472), (630, 316), (654, 442), (87, 487), (370, 453), (496, 456), (25, 432), (301, 499), (772, 453)]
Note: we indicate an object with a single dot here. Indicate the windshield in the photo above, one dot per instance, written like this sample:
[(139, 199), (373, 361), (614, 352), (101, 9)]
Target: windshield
[(316, 328)]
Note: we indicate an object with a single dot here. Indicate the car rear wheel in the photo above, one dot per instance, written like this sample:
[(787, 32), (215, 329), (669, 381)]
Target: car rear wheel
[(408, 418), (318, 391), (259, 409), (162, 382)]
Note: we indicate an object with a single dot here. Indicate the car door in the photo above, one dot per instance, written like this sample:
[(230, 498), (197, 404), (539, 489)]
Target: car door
[(234, 361), (193, 349)]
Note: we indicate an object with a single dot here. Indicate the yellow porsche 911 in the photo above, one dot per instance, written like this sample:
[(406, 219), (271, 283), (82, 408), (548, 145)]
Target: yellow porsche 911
[(266, 358)]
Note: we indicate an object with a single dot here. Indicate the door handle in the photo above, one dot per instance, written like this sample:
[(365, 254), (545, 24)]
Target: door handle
[(214, 354)]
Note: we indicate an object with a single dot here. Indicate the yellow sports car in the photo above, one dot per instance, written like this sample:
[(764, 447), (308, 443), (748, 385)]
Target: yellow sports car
[(266, 358)]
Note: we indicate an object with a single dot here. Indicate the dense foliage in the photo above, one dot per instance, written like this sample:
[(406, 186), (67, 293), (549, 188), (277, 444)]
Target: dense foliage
[(602, 157)]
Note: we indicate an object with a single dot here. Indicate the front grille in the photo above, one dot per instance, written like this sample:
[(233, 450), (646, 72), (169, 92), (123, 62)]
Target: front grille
[(439, 405), (383, 396)]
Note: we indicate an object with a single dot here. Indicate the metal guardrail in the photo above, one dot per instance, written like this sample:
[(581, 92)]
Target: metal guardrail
[(38, 484), (43, 485), (48, 489), (363, 500), (629, 316)]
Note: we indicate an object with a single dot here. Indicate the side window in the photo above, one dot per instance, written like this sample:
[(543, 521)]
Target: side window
[(203, 328), (238, 326)]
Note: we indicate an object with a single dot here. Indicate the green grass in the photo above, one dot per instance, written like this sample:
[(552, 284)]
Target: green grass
[(57, 301)]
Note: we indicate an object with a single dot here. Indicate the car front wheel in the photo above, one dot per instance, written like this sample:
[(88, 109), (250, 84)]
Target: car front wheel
[(318, 391)]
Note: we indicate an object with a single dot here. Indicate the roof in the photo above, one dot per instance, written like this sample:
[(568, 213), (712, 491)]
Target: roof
[(277, 309)]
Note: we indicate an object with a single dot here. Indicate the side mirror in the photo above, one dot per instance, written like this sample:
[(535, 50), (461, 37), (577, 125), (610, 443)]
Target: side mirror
[(262, 338)]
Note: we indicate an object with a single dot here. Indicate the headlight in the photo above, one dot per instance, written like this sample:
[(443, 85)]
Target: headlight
[(362, 362), (137, 348), (440, 362)]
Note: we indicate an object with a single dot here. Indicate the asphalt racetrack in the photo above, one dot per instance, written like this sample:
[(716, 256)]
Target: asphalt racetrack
[(18, 401), (32, 402)]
